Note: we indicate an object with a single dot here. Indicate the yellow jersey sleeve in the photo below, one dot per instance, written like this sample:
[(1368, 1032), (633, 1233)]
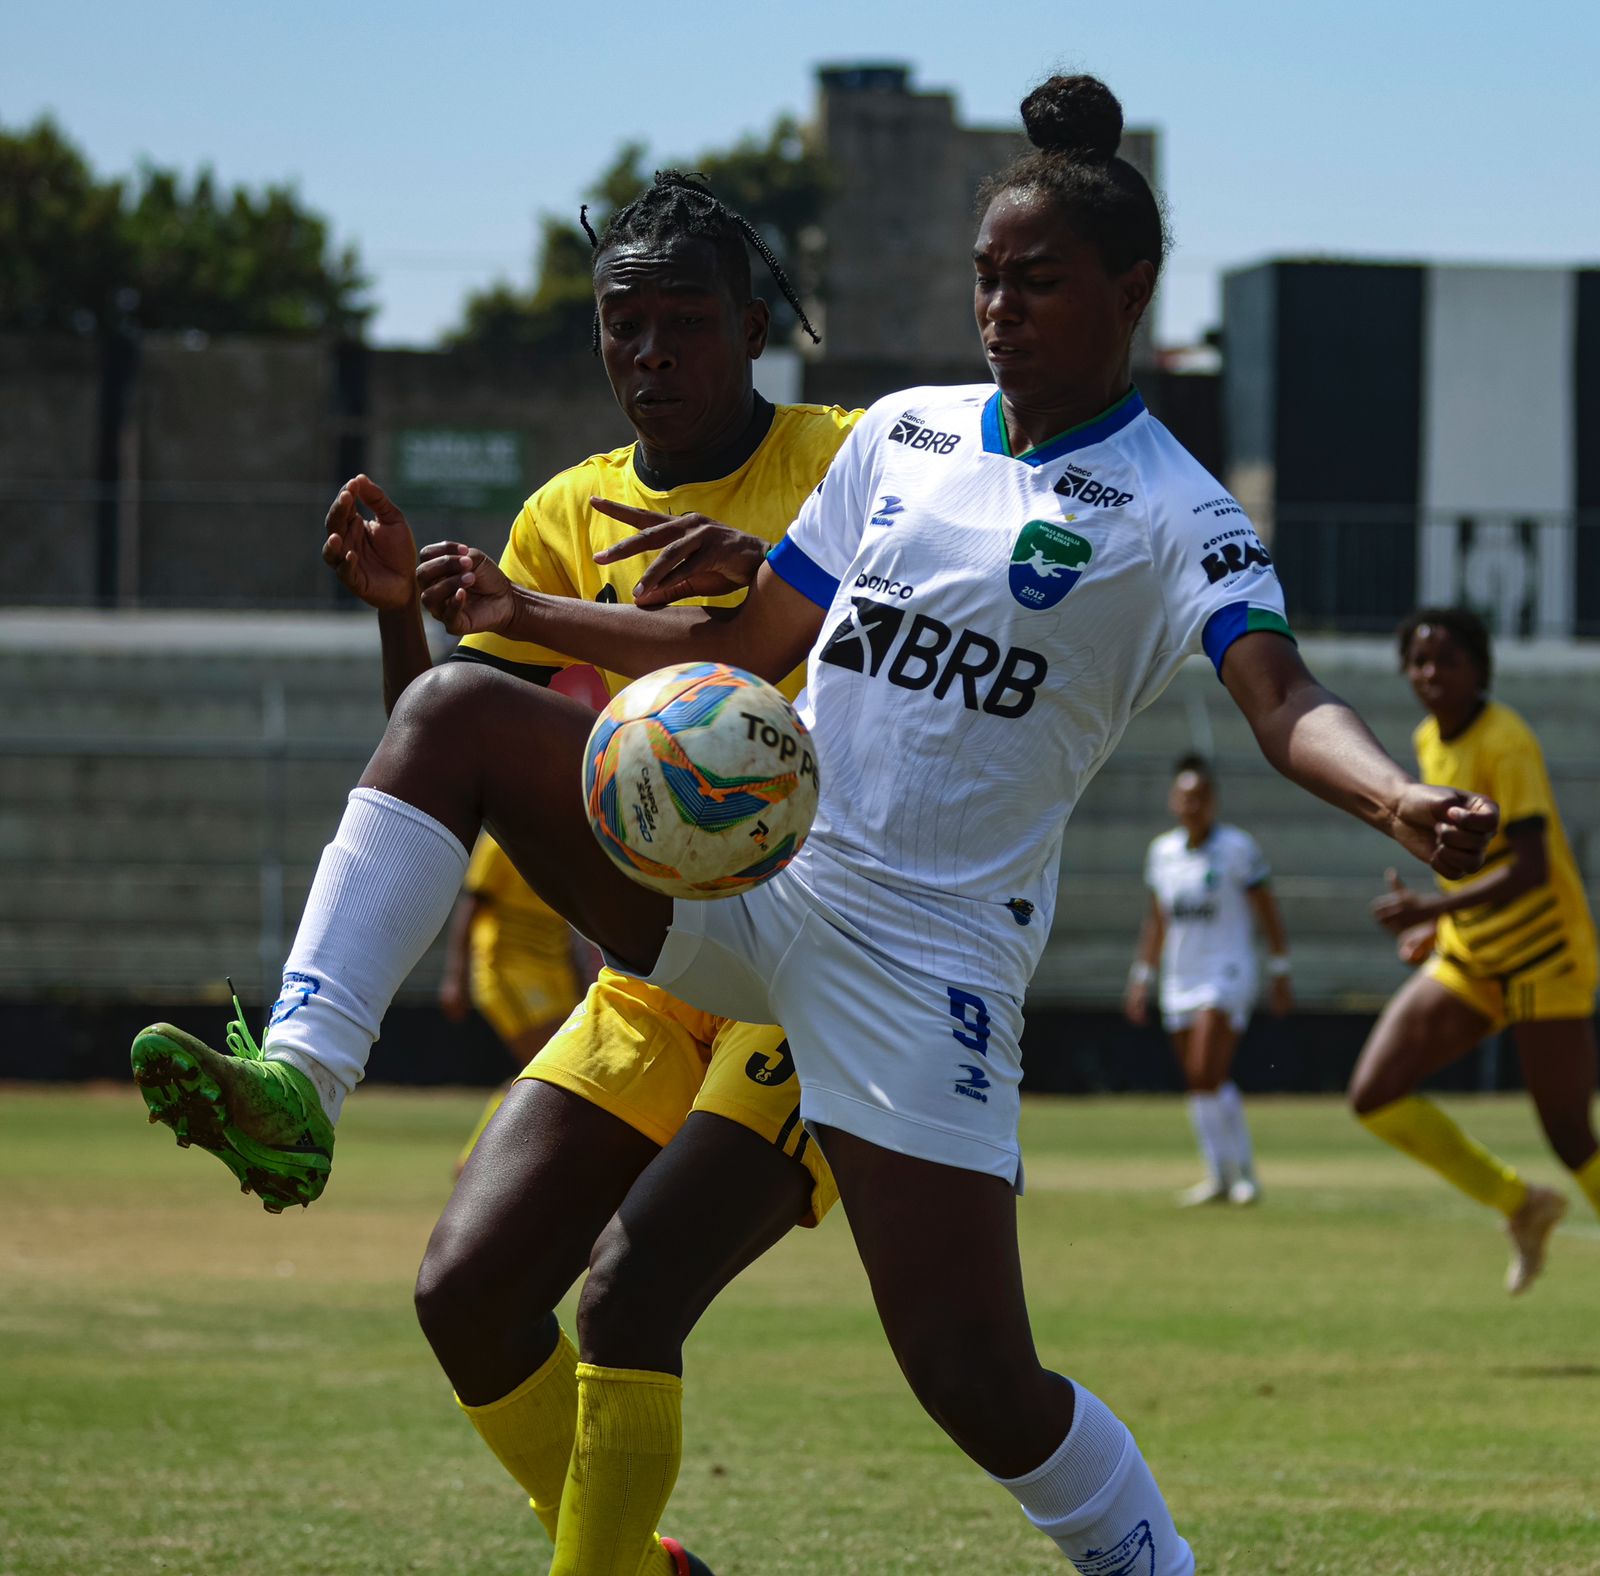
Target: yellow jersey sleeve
[(558, 533), (1516, 772)]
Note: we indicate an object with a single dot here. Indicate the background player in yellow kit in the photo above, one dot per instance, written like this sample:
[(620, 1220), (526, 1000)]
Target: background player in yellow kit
[(1515, 946), (510, 955), (669, 1151)]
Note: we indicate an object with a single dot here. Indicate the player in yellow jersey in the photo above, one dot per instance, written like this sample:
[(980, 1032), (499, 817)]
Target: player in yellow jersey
[(655, 1144), (1514, 947), (510, 955)]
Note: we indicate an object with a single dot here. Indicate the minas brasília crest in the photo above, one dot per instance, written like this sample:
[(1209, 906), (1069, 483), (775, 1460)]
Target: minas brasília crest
[(1047, 562)]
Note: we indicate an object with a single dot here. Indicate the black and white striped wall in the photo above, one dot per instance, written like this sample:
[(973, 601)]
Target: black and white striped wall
[(1413, 434)]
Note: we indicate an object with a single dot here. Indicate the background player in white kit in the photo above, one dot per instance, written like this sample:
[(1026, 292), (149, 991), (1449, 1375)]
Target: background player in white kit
[(1207, 881)]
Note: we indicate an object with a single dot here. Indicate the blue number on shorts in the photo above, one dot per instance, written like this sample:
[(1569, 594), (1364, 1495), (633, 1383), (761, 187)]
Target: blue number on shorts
[(973, 1016)]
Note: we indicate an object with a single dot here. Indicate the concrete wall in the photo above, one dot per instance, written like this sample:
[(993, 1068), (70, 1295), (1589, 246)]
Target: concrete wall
[(49, 425)]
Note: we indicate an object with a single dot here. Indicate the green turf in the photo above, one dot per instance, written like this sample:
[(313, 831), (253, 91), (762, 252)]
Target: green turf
[(1331, 1383)]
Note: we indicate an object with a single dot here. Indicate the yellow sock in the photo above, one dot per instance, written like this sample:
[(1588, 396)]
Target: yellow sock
[(624, 1463), (532, 1429), (1588, 1175), (1423, 1131)]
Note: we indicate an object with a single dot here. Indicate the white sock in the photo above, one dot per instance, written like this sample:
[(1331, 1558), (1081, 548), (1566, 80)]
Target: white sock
[(1096, 1500), (1240, 1150), (384, 887), (1210, 1128)]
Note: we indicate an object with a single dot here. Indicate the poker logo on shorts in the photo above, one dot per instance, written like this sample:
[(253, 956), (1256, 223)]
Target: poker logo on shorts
[(1135, 1555), (1046, 563)]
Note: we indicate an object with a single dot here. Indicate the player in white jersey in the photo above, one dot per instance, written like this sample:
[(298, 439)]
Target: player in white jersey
[(1208, 886), (960, 702)]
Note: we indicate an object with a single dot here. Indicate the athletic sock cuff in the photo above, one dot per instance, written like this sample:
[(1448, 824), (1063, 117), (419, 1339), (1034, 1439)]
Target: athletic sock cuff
[(633, 1411), (559, 1360), (1083, 1469), (408, 812)]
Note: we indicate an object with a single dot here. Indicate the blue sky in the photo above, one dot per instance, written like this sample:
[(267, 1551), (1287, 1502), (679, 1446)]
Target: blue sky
[(433, 136)]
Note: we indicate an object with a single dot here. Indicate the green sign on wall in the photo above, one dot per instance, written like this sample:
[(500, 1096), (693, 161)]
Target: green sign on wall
[(459, 469)]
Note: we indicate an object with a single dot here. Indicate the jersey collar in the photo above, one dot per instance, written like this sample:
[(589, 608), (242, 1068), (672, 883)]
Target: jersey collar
[(997, 441)]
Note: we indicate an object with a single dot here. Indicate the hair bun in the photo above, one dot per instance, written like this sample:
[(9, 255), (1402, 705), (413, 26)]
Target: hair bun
[(1076, 116)]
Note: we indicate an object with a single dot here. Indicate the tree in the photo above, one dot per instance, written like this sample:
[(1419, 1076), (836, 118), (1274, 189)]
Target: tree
[(778, 182), (155, 252)]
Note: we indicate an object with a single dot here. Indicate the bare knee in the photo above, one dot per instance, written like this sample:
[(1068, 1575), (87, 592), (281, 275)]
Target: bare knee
[(968, 1383), (450, 1296), (627, 1314)]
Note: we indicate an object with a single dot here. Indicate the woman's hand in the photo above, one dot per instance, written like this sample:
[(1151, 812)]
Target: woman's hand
[(375, 558), (465, 589), (1446, 828), (695, 556)]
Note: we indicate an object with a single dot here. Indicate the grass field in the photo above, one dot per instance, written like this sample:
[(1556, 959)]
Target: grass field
[(1332, 1383)]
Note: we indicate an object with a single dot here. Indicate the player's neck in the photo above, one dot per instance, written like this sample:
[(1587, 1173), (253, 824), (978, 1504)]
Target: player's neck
[(1455, 722), (1036, 425), (722, 455), (1199, 839)]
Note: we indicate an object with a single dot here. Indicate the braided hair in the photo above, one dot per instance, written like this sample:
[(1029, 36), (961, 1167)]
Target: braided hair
[(678, 207), (1075, 126)]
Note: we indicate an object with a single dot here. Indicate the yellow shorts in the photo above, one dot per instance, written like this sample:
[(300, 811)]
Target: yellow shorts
[(1505, 1002), (650, 1059), (517, 992)]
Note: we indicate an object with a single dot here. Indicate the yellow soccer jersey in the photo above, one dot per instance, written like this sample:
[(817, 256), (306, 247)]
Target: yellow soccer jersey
[(1549, 931), (557, 534), (515, 918)]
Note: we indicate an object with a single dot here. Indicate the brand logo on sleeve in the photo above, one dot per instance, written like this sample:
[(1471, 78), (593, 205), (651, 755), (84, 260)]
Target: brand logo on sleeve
[(1233, 553), (1047, 561), (888, 507)]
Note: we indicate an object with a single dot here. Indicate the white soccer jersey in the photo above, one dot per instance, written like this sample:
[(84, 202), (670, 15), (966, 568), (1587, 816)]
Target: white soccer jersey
[(1201, 895), (993, 621)]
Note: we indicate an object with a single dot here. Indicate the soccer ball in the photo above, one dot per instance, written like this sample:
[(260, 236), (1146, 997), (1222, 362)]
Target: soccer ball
[(700, 781)]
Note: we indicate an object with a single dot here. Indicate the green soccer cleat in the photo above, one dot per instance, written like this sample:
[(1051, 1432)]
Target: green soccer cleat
[(262, 1119)]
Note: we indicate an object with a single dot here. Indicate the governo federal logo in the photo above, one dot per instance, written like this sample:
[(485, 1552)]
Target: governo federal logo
[(1047, 561)]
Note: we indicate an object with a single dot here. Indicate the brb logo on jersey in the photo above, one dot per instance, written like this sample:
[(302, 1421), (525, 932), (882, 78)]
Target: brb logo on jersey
[(912, 431), (1047, 562), (1080, 486)]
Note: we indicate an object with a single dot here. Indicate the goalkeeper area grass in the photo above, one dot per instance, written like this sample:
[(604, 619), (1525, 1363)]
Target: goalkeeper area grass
[(1331, 1382)]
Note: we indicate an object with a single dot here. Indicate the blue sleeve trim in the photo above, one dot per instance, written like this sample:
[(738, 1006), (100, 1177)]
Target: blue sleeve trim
[(1224, 627), (808, 577), (1228, 623)]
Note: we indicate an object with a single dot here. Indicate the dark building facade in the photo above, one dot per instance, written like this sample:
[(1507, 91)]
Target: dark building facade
[(1406, 433)]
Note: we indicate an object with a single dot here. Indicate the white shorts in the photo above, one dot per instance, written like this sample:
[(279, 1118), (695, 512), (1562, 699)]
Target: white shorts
[(1182, 1004), (923, 1066)]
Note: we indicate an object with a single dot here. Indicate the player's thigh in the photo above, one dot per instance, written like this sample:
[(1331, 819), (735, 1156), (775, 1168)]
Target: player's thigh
[(1558, 1059), (939, 1245), (752, 1083), (469, 744), (710, 1203), (540, 1185), (1424, 1027), (1212, 1043)]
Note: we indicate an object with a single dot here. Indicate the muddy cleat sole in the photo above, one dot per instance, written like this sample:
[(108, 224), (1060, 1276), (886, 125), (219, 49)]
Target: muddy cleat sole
[(683, 1562), (1529, 1230), (262, 1119)]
